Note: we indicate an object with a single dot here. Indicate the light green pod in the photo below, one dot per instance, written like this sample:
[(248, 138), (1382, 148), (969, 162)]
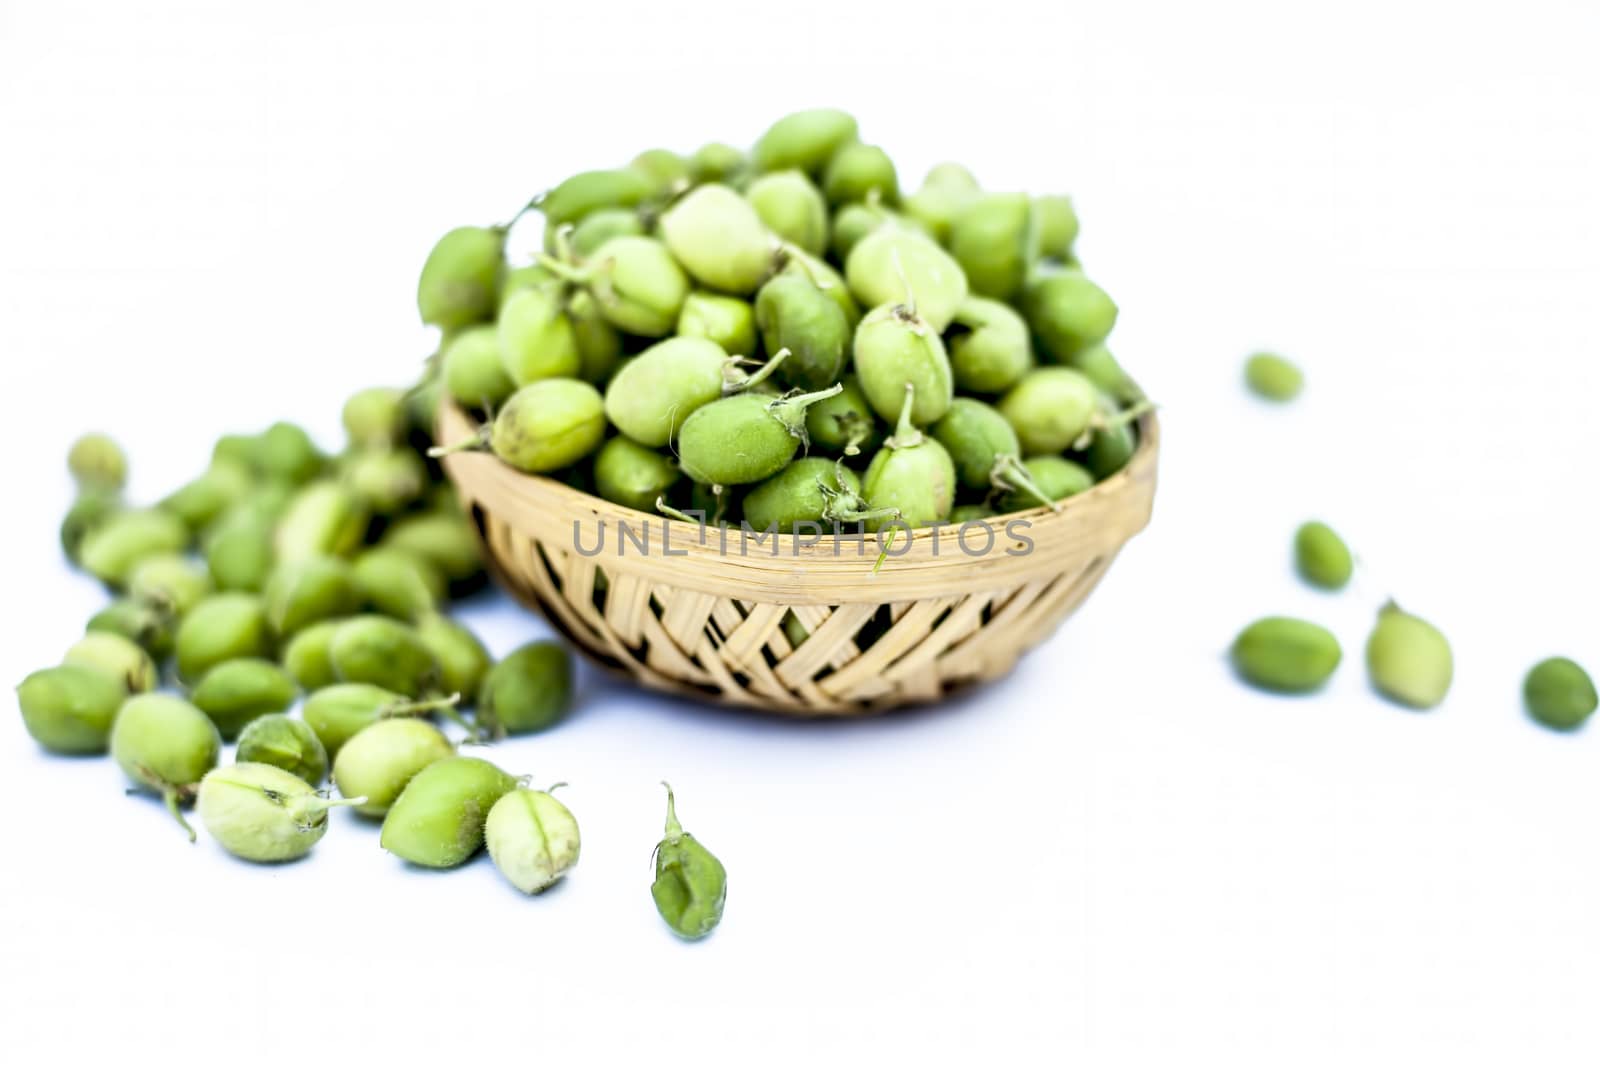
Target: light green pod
[(844, 423), (96, 462), (438, 819), (473, 373), (945, 192), (262, 813), (745, 438), (593, 190), (174, 582), (1052, 477), (307, 658), (1559, 694), (794, 315), (549, 424), (804, 140), (219, 628), (463, 661), (791, 207), (528, 276), (652, 394), (240, 690), (1285, 655), (309, 590), (117, 658), (537, 340), (631, 475), (1101, 367), (1056, 222), (165, 745), (1068, 313), (461, 277), (715, 162), (529, 690), (1051, 408), (398, 583), (797, 260), (1271, 377), (852, 222), (691, 885), (1322, 557), (443, 538), (600, 226), (381, 760), (285, 743), (338, 712), (382, 652), (532, 838), (912, 476), (810, 490), (989, 346), (324, 519), (895, 348), (88, 513), (385, 482), (638, 286), (720, 239), (860, 172), (893, 265), (995, 239), (239, 553), (201, 501), (726, 321), (666, 168), (146, 625), (1408, 659), (243, 449), (375, 417), (70, 709), (286, 453), (112, 549)]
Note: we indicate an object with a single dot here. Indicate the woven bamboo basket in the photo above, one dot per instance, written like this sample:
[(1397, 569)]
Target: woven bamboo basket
[(708, 621)]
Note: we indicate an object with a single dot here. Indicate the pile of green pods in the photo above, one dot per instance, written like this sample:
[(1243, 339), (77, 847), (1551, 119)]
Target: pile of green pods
[(784, 336)]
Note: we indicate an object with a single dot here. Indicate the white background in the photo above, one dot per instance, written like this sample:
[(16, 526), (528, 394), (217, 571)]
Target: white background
[(212, 215)]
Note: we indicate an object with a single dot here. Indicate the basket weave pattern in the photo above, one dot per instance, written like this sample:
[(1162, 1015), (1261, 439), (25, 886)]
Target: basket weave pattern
[(708, 620)]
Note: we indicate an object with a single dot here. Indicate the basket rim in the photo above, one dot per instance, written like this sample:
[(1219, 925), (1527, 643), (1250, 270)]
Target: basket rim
[(792, 568)]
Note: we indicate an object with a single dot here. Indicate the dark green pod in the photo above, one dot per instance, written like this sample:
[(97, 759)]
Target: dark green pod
[(1068, 313), (285, 743), (1286, 655), (745, 438), (995, 240), (794, 314), (691, 885), (70, 709), (529, 690), (631, 475), (1559, 694), (235, 692), (147, 625), (844, 421), (801, 492), (989, 346)]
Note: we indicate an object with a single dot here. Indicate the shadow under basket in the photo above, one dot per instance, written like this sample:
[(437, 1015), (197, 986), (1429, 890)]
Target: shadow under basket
[(665, 603)]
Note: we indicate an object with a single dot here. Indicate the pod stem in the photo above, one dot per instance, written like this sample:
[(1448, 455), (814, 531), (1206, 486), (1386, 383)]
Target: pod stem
[(906, 435), (674, 828), (1123, 417), (905, 283), (791, 410), (1009, 473), (861, 514), (564, 270), (736, 381), (673, 513), (322, 803), (477, 442), (173, 797), (852, 446), (419, 707), (531, 205)]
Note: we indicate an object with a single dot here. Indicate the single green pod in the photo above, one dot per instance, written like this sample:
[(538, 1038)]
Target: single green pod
[(375, 417), (1322, 557), (804, 140), (720, 239), (912, 477), (537, 339), (652, 394), (1056, 222), (985, 451), (1408, 659), (165, 745), (532, 838), (70, 709), (243, 449), (385, 482), (893, 265), (1101, 367), (113, 548), (548, 425), (746, 438), (631, 475), (97, 463), (461, 277), (715, 162), (528, 276), (1271, 377), (324, 519), (463, 661), (239, 553), (811, 490), (338, 712), (438, 819), (262, 813), (286, 453), (285, 743), (529, 690), (474, 376), (854, 221), (1068, 313), (726, 321), (1054, 478), (597, 228), (398, 583), (1052, 409), (307, 658), (241, 690), (117, 658), (996, 241), (989, 346), (1559, 694), (637, 285), (791, 207), (309, 590), (962, 514), (860, 172), (794, 260), (599, 343), (1114, 442), (150, 627), (945, 193), (691, 885), (1285, 655), (171, 581), (219, 628), (88, 512), (896, 348), (590, 191), (382, 652), (201, 501), (443, 538), (795, 315), (844, 424), (381, 760)]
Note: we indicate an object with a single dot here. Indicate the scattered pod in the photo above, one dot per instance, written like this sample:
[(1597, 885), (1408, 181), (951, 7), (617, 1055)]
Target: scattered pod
[(375, 417), (397, 583), (895, 348), (443, 538), (854, 221), (1271, 377), (637, 285), (116, 657), (1054, 477), (912, 475), (1056, 222), (598, 227), (239, 553), (285, 452), (1286, 655), (631, 475), (379, 761), (532, 838), (382, 652), (201, 501), (70, 709), (844, 423), (1052, 409), (474, 375), (97, 463), (113, 548), (804, 140), (529, 690), (996, 241), (792, 208), (461, 277), (338, 712), (165, 745), (88, 512), (285, 743), (263, 813), (812, 490), (324, 519), (894, 265), (691, 885), (171, 581), (719, 238), (583, 194), (746, 438), (1559, 694), (1408, 659), (796, 316), (1322, 557), (309, 590), (715, 162), (463, 661), (241, 690), (149, 626), (437, 821), (548, 425), (985, 451), (219, 628), (726, 321), (860, 172), (989, 346), (536, 337), (306, 657), (1068, 313), (387, 481)]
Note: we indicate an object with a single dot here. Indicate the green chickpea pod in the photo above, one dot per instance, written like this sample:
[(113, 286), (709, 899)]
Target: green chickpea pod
[(309, 590), (745, 438), (720, 239), (654, 393), (378, 762), (532, 838), (986, 452), (70, 709), (1068, 313), (97, 463), (375, 417), (727, 321), (995, 239), (474, 375), (461, 277), (691, 885), (529, 690), (262, 813), (241, 690), (383, 652), (1408, 659), (537, 337), (438, 819), (892, 262), (636, 283), (285, 743), (805, 140), (165, 745), (795, 315), (1055, 478), (113, 548), (631, 475), (896, 348), (325, 518), (338, 712), (911, 474), (792, 208), (591, 191), (1285, 655), (117, 658)]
